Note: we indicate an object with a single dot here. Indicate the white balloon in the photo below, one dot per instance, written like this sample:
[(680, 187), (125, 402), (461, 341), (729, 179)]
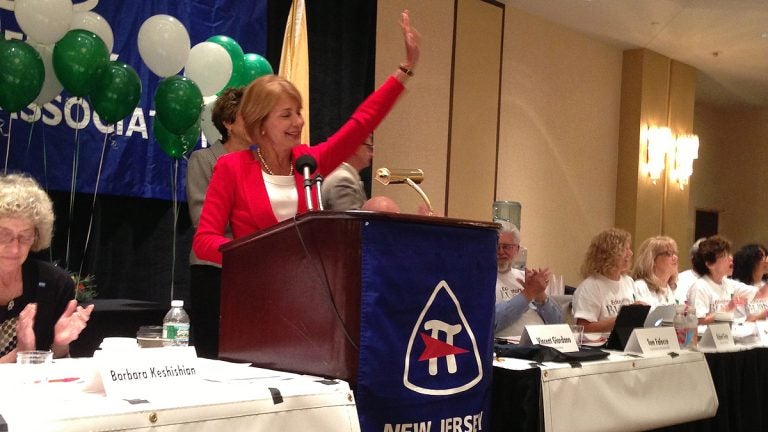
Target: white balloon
[(209, 66), (45, 21), (206, 123), (51, 85), (163, 45), (95, 23)]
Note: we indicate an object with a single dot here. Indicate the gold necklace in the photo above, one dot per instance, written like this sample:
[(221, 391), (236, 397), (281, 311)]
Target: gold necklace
[(266, 167)]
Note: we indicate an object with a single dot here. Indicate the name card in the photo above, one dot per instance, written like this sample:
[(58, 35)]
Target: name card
[(143, 372), (717, 336), (762, 331), (558, 336), (652, 340)]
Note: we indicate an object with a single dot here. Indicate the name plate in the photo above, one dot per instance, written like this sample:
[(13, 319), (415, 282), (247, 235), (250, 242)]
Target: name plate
[(143, 372), (717, 336), (652, 341), (558, 336)]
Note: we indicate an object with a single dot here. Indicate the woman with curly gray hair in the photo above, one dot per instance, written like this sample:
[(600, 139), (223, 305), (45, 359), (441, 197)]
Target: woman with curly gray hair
[(606, 287), (37, 306)]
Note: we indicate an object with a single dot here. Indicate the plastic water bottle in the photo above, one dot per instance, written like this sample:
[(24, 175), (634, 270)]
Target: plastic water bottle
[(176, 325), (681, 325), (693, 327)]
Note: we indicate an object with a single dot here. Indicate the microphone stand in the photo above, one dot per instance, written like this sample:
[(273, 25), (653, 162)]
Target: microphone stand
[(308, 189), (319, 185)]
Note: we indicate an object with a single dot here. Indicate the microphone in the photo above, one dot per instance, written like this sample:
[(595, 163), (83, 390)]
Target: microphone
[(307, 165), (386, 176)]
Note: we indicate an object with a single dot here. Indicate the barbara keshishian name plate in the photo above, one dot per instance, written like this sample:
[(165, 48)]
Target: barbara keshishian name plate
[(144, 372)]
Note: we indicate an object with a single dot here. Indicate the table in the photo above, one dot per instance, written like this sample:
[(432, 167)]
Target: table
[(226, 397), (621, 393)]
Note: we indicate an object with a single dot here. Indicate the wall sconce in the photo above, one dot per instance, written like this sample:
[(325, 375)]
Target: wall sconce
[(686, 151), (659, 142)]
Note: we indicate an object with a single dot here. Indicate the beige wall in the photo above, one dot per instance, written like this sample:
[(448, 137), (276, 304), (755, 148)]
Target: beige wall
[(559, 132), (730, 174)]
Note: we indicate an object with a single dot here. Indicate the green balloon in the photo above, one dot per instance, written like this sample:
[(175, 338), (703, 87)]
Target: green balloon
[(118, 93), (21, 74), (255, 66), (175, 145), (178, 103), (79, 60), (235, 53)]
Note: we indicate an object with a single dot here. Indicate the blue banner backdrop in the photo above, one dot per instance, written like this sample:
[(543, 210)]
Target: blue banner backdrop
[(42, 142), (426, 335)]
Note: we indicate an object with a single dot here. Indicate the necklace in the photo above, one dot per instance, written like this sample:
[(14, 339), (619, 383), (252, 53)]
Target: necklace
[(266, 167)]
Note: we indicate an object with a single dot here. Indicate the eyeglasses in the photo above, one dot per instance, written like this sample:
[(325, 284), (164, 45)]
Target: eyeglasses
[(667, 254), (508, 246), (25, 238), (369, 145)]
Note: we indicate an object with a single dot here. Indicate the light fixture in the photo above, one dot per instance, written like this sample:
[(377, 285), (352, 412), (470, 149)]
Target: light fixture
[(411, 177), (659, 142), (686, 151)]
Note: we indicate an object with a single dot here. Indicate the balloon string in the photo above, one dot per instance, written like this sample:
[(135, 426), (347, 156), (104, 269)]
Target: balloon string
[(29, 141), (93, 204), (174, 185), (8, 144), (75, 159)]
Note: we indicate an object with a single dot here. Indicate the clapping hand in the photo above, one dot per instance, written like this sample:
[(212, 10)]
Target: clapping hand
[(71, 323)]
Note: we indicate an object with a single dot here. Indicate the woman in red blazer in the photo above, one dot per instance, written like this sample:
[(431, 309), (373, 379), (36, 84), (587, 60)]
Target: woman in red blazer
[(257, 188)]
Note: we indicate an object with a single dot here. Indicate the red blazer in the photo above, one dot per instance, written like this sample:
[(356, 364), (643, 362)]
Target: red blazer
[(237, 194)]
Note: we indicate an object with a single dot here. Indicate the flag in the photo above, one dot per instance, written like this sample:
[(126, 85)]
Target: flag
[(294, 60)]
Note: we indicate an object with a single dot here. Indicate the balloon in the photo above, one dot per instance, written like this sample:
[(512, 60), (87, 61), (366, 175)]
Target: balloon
[(172, 144), (254, 66), (235, 54), (45, 21), (209, 66), (178, 103), (118, 93), (51, 85), (95, 23), (79, 59), (206, 123), (163, 44), (21, 74)]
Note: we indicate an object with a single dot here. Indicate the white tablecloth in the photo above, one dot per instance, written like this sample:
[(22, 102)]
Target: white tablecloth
[(624, 393), (226, 397)]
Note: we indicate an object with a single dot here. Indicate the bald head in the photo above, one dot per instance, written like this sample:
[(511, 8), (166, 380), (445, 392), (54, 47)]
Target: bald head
[(382, 204)]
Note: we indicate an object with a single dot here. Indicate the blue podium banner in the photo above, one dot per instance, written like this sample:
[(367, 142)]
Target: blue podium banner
[(42, 141), (426, 330)]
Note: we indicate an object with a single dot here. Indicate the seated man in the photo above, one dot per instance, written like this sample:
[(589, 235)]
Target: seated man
[(343, 188), (520, 296)]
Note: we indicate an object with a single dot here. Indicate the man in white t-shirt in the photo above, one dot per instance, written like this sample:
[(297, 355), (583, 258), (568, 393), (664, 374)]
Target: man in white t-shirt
[(520, 296)]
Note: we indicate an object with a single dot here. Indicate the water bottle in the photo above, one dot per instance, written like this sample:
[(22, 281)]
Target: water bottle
[(693, 327), (681, 325), (176, 325)]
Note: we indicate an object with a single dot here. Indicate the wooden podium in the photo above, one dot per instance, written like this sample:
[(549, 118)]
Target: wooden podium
[(290, 297)]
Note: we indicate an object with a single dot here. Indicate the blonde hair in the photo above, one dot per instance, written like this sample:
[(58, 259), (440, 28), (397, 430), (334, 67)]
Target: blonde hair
[(604, 252), (260, 97), (22, 198), (646, 258)]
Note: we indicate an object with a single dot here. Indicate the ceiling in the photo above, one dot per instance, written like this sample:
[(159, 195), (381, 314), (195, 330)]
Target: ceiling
[(726, 40)]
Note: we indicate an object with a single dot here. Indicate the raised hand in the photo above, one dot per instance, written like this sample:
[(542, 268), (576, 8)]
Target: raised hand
[(412, 40), (71, 323)]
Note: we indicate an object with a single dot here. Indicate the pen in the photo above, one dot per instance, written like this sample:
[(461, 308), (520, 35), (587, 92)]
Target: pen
[(64, 380)]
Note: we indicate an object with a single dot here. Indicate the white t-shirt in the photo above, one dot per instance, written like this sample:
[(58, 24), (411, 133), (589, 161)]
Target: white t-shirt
[(282, 194), (664, 296), (706, 294), (598, 298), (508, 287), (685, 281)]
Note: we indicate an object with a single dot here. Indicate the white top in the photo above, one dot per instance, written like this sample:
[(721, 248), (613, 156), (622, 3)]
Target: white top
[(598, 298), (706, 295), (684, 282), (508, 287), (282, 194), (664, 296)]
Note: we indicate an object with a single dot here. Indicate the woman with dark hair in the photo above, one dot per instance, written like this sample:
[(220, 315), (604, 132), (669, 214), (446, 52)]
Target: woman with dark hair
[(714, 295), (750, 265)]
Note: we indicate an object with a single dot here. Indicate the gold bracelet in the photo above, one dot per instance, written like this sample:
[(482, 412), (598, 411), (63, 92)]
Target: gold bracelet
[(405, 70)]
